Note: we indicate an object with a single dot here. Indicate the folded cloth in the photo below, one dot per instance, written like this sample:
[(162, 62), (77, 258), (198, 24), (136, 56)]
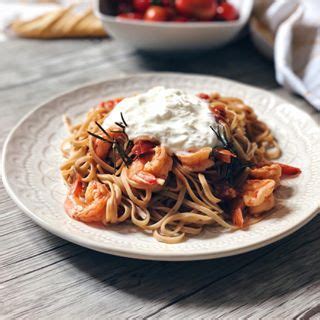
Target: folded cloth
[(295, 28), (53, 21)]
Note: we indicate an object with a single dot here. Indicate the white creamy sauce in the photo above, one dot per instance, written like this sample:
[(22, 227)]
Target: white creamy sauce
[(179, 120)]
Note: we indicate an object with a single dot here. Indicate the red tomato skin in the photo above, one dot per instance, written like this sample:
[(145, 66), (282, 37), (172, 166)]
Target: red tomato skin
[(289, 170), (130, 16), (147, 177), (168, 3), (219, 112), (224, 155), (200, 9), (171, 13), (156, 13), (226, 11), (124, 7), (203, 96), (109, 104), (141, 5), (180, 19), (142, 147)]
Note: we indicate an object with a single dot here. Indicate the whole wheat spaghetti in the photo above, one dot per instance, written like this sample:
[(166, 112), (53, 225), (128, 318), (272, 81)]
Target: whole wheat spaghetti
[(113, 179)]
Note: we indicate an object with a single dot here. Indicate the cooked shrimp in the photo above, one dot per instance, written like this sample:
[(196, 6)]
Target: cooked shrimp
[(102, 148), (266, 205), (237, 213), (197, 161), (151, 170), (271, 171), (255, 192), (224, 155), (91, 206)]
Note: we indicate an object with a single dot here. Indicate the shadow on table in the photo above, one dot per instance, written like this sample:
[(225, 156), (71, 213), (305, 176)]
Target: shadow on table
[(248, 279), (237, 61)]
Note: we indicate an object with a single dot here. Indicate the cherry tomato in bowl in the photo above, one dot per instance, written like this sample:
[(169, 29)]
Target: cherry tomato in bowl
[(226, 11), (156, 13), (141, 5), (200, 9), (166, 29), (130, 16)]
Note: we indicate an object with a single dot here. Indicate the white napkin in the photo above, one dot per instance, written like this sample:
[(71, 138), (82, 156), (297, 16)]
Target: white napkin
[(296, 28)]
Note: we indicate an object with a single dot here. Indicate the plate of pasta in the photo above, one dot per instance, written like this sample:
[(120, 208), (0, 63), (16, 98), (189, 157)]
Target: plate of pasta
[(166, 167)]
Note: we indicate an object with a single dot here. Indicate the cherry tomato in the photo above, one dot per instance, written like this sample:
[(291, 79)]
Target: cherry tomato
[(200, 9), (203, 96), (219, 112), (226, 11), (141, 5), (130, 15), (124, 7), (180, 19), (167, 3), (156, 13), (142, 147), (171, 13)]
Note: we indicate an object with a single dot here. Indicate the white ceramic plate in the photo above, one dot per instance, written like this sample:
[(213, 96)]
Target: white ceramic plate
[(31, 175)]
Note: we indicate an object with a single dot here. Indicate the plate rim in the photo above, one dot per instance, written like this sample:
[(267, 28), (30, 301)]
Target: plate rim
[(136, 252)]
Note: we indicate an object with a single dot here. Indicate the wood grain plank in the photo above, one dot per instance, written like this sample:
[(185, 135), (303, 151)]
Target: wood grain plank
[(266, 277), (42, 276), (61, 64), (272, 287)]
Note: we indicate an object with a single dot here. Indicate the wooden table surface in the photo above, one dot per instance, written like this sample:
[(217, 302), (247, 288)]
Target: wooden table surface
[(45, 277)]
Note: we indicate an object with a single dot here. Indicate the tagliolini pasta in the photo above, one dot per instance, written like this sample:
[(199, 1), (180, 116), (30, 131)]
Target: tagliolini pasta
[(114, 178)]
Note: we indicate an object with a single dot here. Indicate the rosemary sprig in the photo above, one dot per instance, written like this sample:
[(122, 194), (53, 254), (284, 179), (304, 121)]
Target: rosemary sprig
[(120, 124), (125, 158), (99, 137), (222, 137), (128, 146), (228, 171), (114, 157), (122, 118), (102, 129), (123, 152)]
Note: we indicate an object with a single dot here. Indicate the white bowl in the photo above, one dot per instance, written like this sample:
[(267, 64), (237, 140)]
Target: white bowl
[(171, 36)]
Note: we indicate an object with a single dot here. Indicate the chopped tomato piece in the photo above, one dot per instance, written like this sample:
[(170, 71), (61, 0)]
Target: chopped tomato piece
[(219, 112), (237, 213), (224, 155), (142, 147), (147, 177), (117, 100), (289, 170), (110, 104), (204, 96)]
